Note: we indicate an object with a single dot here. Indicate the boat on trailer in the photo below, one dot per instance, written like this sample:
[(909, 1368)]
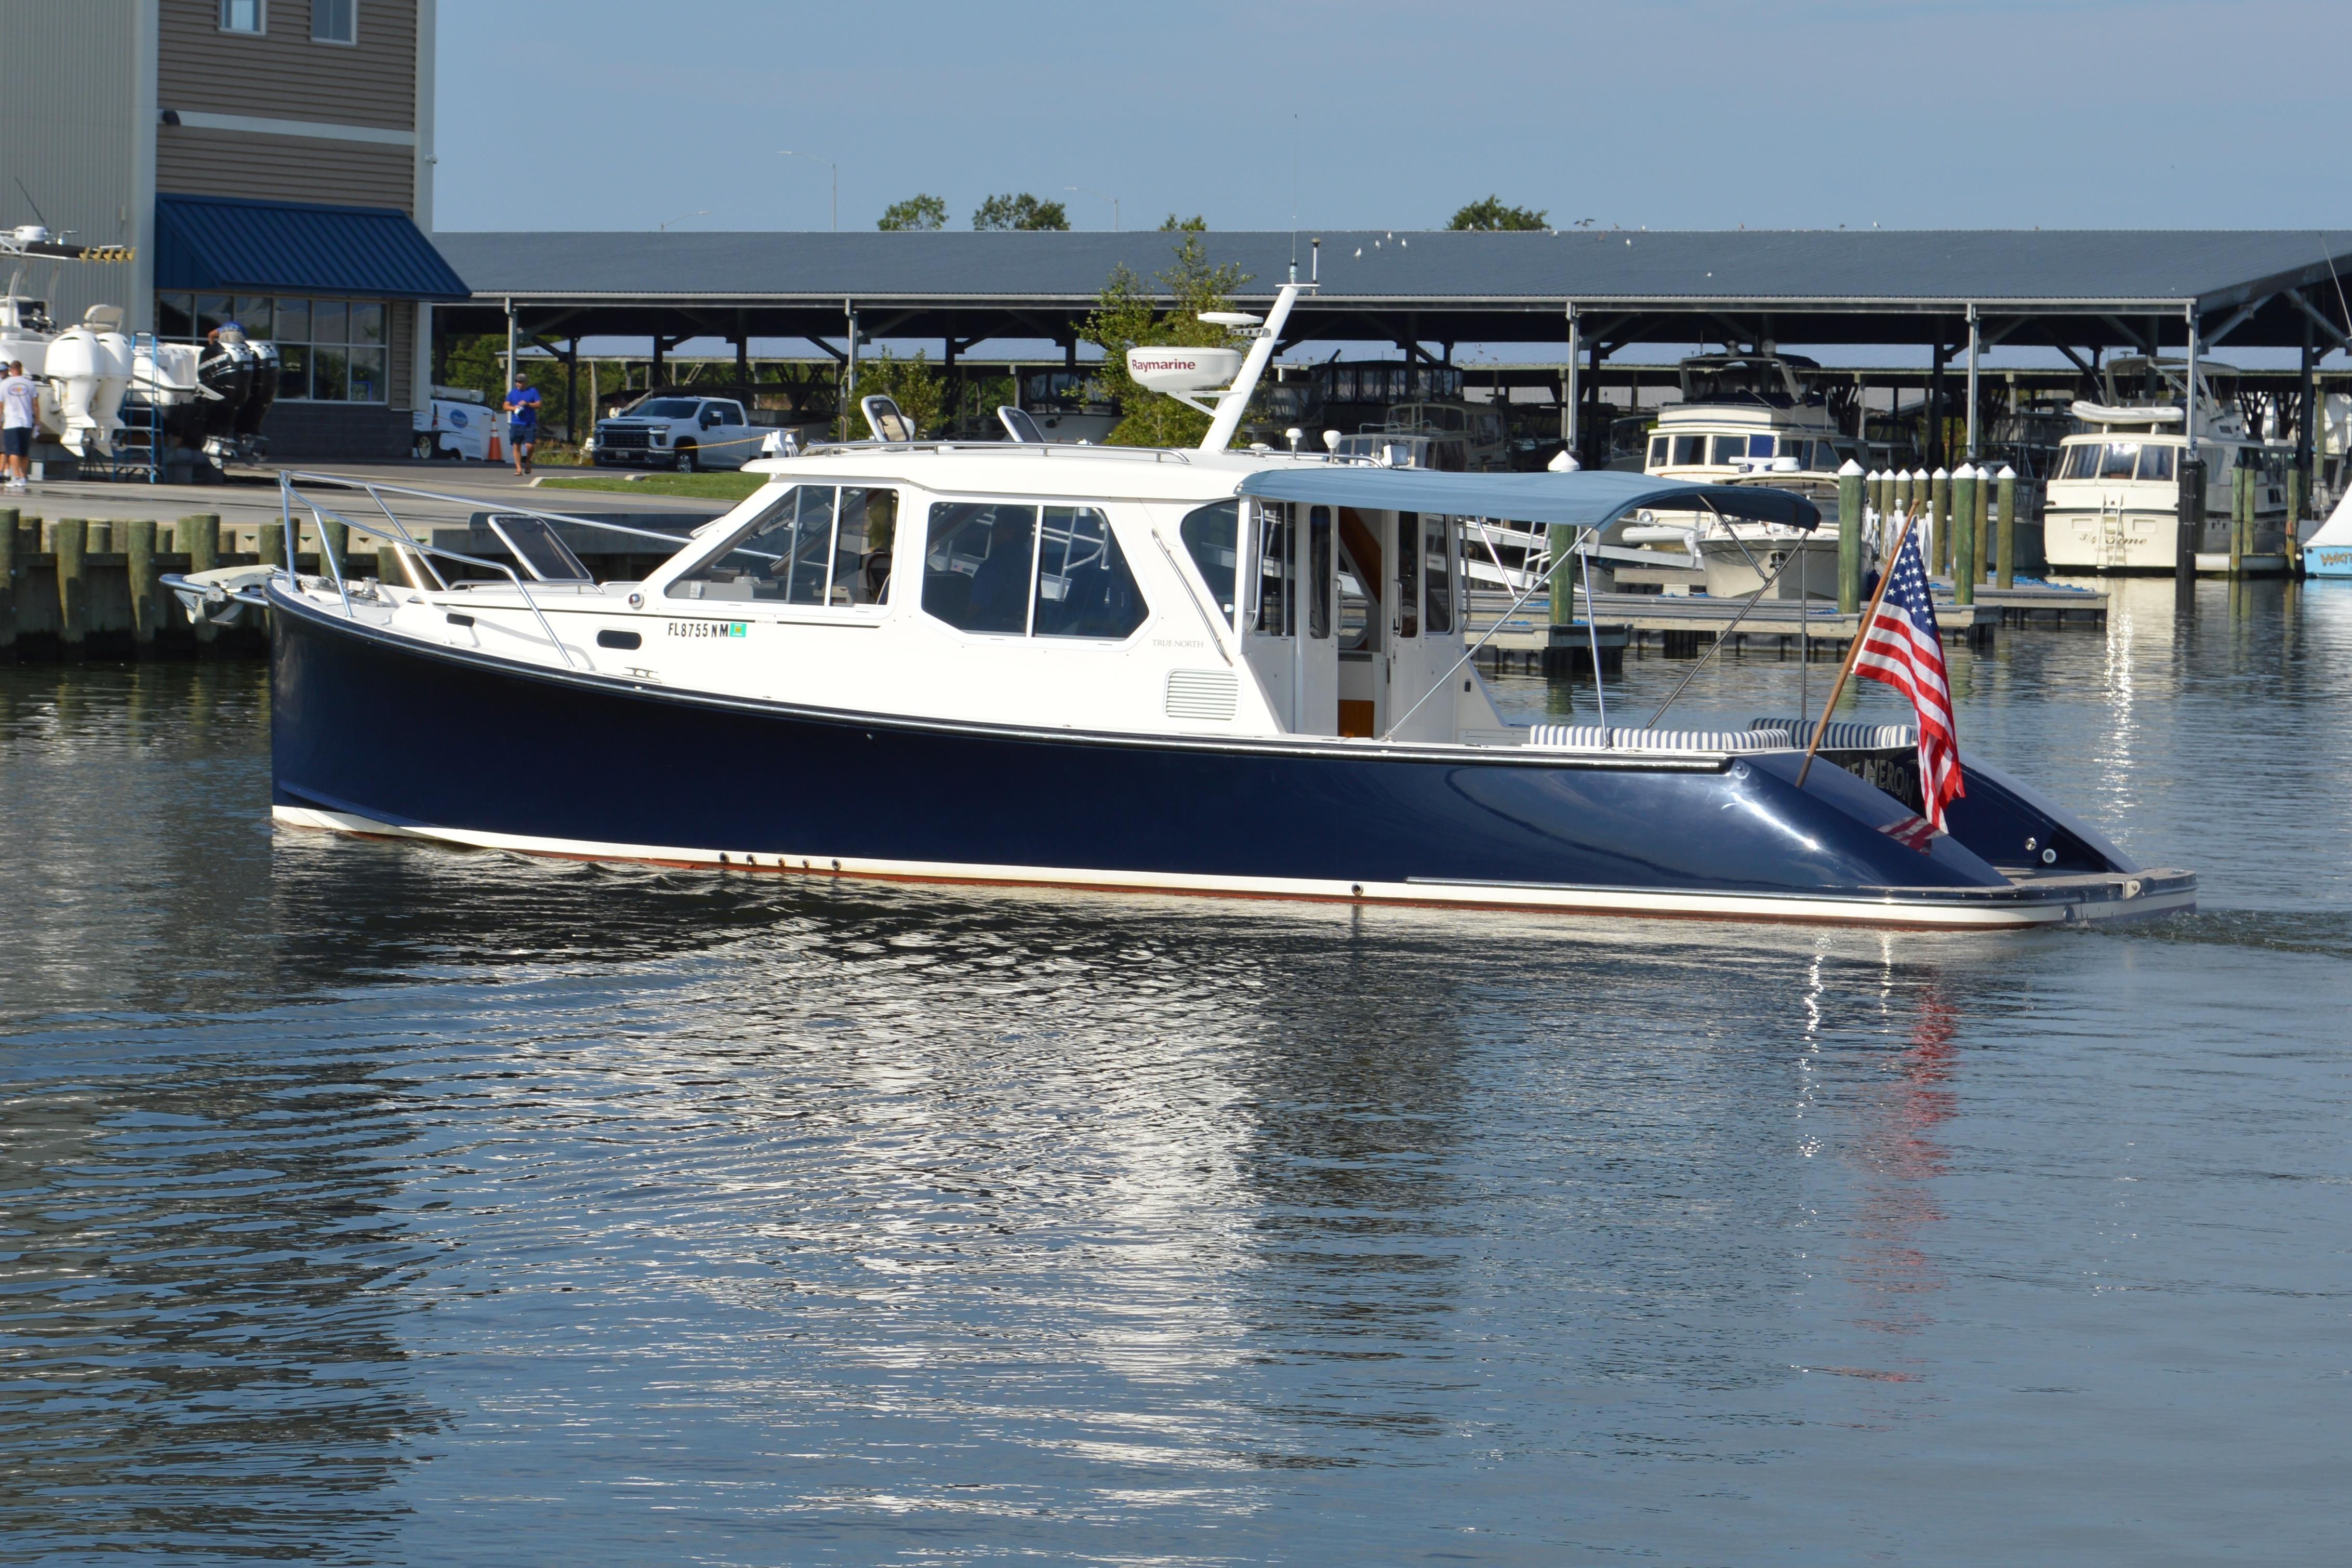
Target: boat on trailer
[(1207, 671)]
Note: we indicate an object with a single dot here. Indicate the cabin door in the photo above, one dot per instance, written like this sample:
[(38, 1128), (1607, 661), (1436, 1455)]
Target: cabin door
[(1424, 624), (1362, 633), (1289, 646)]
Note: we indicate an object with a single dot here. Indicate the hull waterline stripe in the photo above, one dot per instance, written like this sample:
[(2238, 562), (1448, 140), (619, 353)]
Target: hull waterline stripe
[(1887, 911)]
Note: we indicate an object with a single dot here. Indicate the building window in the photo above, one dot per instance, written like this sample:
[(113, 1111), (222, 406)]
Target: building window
[(245, 16), (334, 21), (329, 350)]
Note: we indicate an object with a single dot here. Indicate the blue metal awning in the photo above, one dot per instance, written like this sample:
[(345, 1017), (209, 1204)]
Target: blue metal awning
[(1580, 500), (228, 244)]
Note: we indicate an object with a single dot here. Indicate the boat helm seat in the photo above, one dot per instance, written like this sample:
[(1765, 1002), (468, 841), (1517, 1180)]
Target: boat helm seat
[(1845, 736)]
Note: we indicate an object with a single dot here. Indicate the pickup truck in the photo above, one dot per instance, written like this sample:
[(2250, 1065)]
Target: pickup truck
[(681, 433)]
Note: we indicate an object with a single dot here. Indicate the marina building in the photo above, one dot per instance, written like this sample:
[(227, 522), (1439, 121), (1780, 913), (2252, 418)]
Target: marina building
[(267, 162)]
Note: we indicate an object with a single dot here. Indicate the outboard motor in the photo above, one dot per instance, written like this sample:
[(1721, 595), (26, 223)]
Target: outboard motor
[(226, 371), (250, 442)]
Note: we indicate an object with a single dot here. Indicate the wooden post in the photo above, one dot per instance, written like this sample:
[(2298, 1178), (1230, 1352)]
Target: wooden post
[(2295, 502), (8, 576), (146, 581), (1562, 591), (1964, 535), (200, 543), (2190, 509), (2007, 479), (1850, 494), (272, 545), (72, 545), (1939, 517), (101, 539), (337, 536), (1979, 528), (2239, 490)]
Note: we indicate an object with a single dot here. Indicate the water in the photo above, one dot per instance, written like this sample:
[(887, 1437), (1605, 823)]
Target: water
[(385, 1203)]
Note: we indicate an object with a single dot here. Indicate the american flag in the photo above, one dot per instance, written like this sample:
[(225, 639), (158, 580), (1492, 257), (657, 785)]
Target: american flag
[(1902, 649)]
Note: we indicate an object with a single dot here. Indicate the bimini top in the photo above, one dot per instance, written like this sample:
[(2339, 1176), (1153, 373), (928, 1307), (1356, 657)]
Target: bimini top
[(1580, 500)]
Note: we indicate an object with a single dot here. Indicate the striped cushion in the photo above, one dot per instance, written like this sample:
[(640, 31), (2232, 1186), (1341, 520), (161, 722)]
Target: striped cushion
[(1622, 738), (1844, 737)]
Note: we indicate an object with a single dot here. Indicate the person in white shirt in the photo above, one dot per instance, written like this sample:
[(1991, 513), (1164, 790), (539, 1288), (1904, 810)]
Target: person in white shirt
[(17, 396)]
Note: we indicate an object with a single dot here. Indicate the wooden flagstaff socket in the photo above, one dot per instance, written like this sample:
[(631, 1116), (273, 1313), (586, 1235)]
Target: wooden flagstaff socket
[(2008, 566), (1963, 552), (1850, 494), (71, 537), (146, 581), (1853, 649)]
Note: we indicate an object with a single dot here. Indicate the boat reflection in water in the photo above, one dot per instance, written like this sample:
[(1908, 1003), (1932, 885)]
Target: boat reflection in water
[(1239, 673)]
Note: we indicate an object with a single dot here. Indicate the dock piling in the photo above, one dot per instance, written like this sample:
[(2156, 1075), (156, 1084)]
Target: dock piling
[(200, 542), (2190, 518), (146, 581), (8, 577), (1850, 493), (270, 545), (1963, 552), (2294, 504), (2006, 574), (72, 543), (1981, 527), (2241, 504), (1939, 503)]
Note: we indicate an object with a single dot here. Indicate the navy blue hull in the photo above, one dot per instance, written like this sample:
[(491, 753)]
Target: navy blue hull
[(373, 726)]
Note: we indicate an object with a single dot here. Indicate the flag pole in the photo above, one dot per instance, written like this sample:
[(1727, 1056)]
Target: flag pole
[(1853, 649)]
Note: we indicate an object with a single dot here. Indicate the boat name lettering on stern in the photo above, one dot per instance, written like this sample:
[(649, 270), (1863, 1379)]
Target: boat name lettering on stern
[(709, 628)]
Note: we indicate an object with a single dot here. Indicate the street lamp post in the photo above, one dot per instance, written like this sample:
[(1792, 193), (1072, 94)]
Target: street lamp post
[(834, 222), (1099, 196)]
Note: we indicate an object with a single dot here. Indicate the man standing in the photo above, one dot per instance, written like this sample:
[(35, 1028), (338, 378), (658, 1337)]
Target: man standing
[(16, 398), (522, 421)]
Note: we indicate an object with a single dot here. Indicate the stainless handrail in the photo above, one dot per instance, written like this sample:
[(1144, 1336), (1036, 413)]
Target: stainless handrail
[(399, 533)]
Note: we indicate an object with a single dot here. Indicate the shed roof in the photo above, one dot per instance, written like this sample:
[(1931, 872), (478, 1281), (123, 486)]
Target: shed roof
[(1465, 284)]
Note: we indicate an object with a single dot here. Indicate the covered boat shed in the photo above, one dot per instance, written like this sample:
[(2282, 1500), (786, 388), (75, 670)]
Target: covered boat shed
[(1952, 293)]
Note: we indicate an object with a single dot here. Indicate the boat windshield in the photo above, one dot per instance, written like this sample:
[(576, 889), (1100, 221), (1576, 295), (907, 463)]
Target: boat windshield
[(814, 545), (1211, 534)]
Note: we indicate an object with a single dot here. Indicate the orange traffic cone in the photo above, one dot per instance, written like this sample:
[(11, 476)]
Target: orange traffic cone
[(495, 456)]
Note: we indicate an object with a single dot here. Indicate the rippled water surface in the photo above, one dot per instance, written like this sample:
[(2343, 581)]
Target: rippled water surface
[(376, 1202)]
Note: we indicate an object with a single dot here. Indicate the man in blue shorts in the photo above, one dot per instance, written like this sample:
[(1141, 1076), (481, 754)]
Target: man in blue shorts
[(16, 412), (523, 422)]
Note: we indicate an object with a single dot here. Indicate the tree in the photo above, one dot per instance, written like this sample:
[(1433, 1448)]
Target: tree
[(1125, 317), (1489, 212), (923, 212), (1196, 223), (914, 384), (1023, 211)]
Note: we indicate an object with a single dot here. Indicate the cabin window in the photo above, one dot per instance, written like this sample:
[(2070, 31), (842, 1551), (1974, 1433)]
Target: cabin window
[(2122, 457), (1659, 447), (1760, 445), (982, 561), (1690, 450), (813, 545), (2080, 462), (1437, 533), (1211, 534), (1407, 538), (1084, 588), (1013, 571), (2155, 463), (1275, 610), (1318, 572)]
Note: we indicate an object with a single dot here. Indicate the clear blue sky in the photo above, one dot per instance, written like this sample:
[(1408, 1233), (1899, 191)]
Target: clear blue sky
[(1669, 113)]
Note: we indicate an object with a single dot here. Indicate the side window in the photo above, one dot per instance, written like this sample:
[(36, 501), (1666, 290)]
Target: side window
[(977, 571), (1658, 448), (1760, 445), (1274, 612), (1690, 450), (1318, 572), (1728, 449), (2155, 463), (1084, 588), (1438, 533), (2122, 457), (810, 545), (1408, 540), (1210, 534)]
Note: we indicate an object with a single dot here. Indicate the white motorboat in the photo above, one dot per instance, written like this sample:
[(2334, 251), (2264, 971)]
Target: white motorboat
[(2114, 502)]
